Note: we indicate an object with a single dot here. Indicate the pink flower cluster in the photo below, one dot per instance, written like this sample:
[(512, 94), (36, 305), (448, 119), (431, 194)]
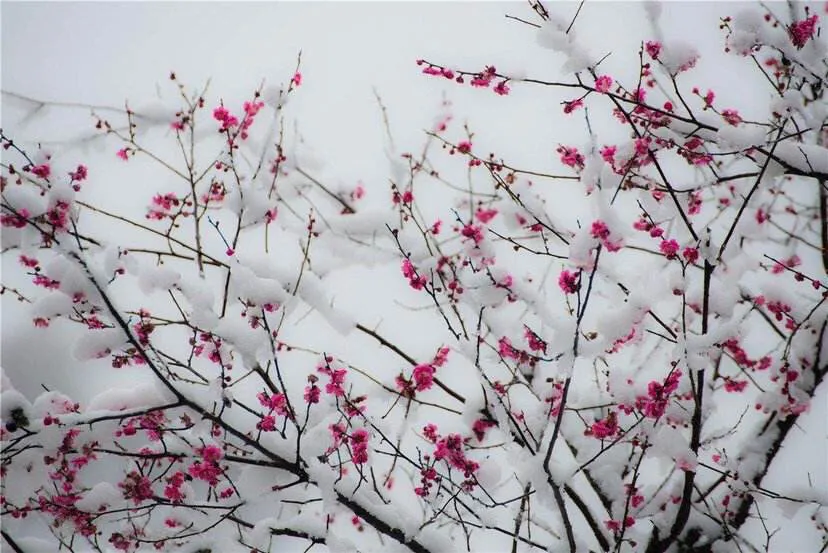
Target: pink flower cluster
[(208, 468), (735, 386), (215, 194), (428, 478), (481, 426), (414, 280), (616, 526), (480, 80), (276, 403), (693, 152), (438, 71), (740, 356), (42, 280), (603, 83), (779, 309), (521, 357), (405, 198), (644, 225), (790, 263), (451, 449), (669, 248), (485, 215), (731, 116), (43, 171), (223, 116), (655, 402), (604, 428), (64, 468), (336, 378), (136, 487), (422, 377), (58, 215), (359, 446), (15, 220), (569, 282), (640, 158), (802, 31), (571, 157), (473, 232), (653, 48), (601, 232), (162, 206), (312, 392), (172, 490), (29, 262), (554, 399), (535, 342), (209, 345), (484, 79), (229, 122), (152, 423), (574, 105)]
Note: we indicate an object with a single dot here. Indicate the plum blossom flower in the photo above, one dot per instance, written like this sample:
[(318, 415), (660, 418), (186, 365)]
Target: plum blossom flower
[(802, 31), (571, 156), (208, 468), (485, 215), (608, 154), (653, 48), (474, 232), (731, 116), (136, 487), (501, 88), (735, 386), (312, 393), (223, 116), (601, 232), (568, 282), (569, 107), (603, 83), (790, 263), (669, 248), (43, 170), (480, 427), (690, 254), (423, 376), (359, 446), (605, 428), (535, 342), (416, 281), (464, 147), (708, 98), (79, 174)]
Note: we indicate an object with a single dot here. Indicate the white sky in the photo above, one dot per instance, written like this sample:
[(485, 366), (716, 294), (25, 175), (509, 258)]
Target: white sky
[(103, 53)]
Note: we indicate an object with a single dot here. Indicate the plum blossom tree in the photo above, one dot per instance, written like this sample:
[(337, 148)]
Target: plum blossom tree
[(625, 379)]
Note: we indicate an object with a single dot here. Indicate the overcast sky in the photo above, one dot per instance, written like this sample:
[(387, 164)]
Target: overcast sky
[(104, 53)]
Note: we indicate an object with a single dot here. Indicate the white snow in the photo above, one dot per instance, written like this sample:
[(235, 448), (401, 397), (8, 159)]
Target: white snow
[(98, 343), (120, 399), (553, 36), (102, 495)]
